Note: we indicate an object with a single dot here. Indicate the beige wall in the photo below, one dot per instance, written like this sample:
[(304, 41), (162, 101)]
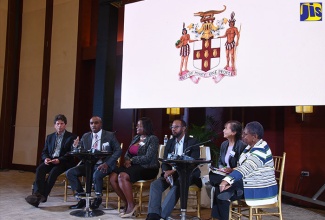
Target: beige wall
[(63, 61), (3, 33), (30, 78), (62, 73)]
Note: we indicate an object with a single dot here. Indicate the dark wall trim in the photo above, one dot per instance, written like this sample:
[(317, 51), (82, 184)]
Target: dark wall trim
[(105, 70), (23, 167), (10, 83), (45, 78)]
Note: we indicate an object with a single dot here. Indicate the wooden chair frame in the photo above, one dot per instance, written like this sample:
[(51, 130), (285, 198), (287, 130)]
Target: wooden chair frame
[(109, 188), (279, 164), (197, 190)]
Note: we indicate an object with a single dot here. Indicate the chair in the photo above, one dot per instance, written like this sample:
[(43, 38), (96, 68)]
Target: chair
[(279, 163), (62, 179), (142, 185), (108, 185), (204, 152), (138, 195)]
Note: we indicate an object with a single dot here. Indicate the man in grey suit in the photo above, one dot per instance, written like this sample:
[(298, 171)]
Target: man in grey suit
[(94, 140), (179, 144)]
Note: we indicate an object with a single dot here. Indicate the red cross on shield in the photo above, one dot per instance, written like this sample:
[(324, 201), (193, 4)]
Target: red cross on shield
[(206, 54)]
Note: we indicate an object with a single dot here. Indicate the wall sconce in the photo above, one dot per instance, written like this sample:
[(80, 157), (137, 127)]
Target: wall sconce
[(303, 109), (173, 111)]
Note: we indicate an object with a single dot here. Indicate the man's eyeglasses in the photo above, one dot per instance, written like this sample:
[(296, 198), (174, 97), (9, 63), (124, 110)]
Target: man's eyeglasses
[(175, 127)]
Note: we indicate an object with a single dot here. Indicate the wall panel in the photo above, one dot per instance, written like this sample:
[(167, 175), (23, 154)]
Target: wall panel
[(63, 61), (30, 78)]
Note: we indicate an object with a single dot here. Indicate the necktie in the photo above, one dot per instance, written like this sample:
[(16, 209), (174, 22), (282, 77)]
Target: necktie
[(95, 141), (57, 148)]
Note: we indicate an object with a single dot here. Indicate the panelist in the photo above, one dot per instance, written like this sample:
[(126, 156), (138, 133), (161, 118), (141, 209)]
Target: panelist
[(140, 163), (255, 161), (94, 140), (230, 151), (55, 161), (178, 145)]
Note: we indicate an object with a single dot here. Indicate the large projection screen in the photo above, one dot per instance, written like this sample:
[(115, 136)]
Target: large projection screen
[(241, 53)]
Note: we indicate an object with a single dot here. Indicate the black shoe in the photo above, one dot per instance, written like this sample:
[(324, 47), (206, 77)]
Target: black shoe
[(153, 216), (40, 197), (239, 192), (81, 204), (96, 203), (228, 195), (33, 200), (225, 195)]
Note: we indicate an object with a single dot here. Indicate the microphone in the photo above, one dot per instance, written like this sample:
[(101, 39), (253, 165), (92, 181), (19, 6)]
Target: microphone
[(195, 145)]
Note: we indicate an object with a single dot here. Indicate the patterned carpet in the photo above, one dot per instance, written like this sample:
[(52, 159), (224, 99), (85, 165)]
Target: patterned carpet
[(16, 185)]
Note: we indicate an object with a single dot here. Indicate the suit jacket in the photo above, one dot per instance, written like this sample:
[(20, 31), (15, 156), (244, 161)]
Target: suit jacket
[(66, 144), (238, 149), (114, 146), (192, 152), (147, 154)]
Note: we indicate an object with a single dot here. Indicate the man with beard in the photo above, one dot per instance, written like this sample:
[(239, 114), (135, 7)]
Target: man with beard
[(180, 143)]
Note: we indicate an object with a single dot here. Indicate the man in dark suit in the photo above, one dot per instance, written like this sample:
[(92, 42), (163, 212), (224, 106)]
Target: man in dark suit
[(54, 161), (179, 144), (96, 139)]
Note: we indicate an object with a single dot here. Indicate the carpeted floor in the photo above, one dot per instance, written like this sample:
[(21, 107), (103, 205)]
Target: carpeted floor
[(16, 185)]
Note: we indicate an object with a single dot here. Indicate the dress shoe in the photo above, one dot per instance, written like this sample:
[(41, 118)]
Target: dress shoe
[(228, 195), (239, 192), (96, 203), (131, 214), (81, 204), (153, 216), (122, 211), (33, 200), (40, 197), (225, 195), (43, 199)]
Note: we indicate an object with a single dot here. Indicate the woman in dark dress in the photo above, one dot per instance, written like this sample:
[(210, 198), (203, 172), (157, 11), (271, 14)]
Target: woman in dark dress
[(141, 163)]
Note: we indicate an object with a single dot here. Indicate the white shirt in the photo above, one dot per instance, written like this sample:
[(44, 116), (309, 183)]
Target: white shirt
[(99, 135), (229, 150), (179, 146)]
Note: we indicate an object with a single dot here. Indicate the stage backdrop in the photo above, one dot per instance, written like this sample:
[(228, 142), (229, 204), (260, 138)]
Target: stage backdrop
[(209, 53)]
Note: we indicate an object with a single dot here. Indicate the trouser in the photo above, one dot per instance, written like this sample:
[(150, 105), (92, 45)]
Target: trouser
[(74, 173), (44, 185), (157, 188), (220, 208)]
